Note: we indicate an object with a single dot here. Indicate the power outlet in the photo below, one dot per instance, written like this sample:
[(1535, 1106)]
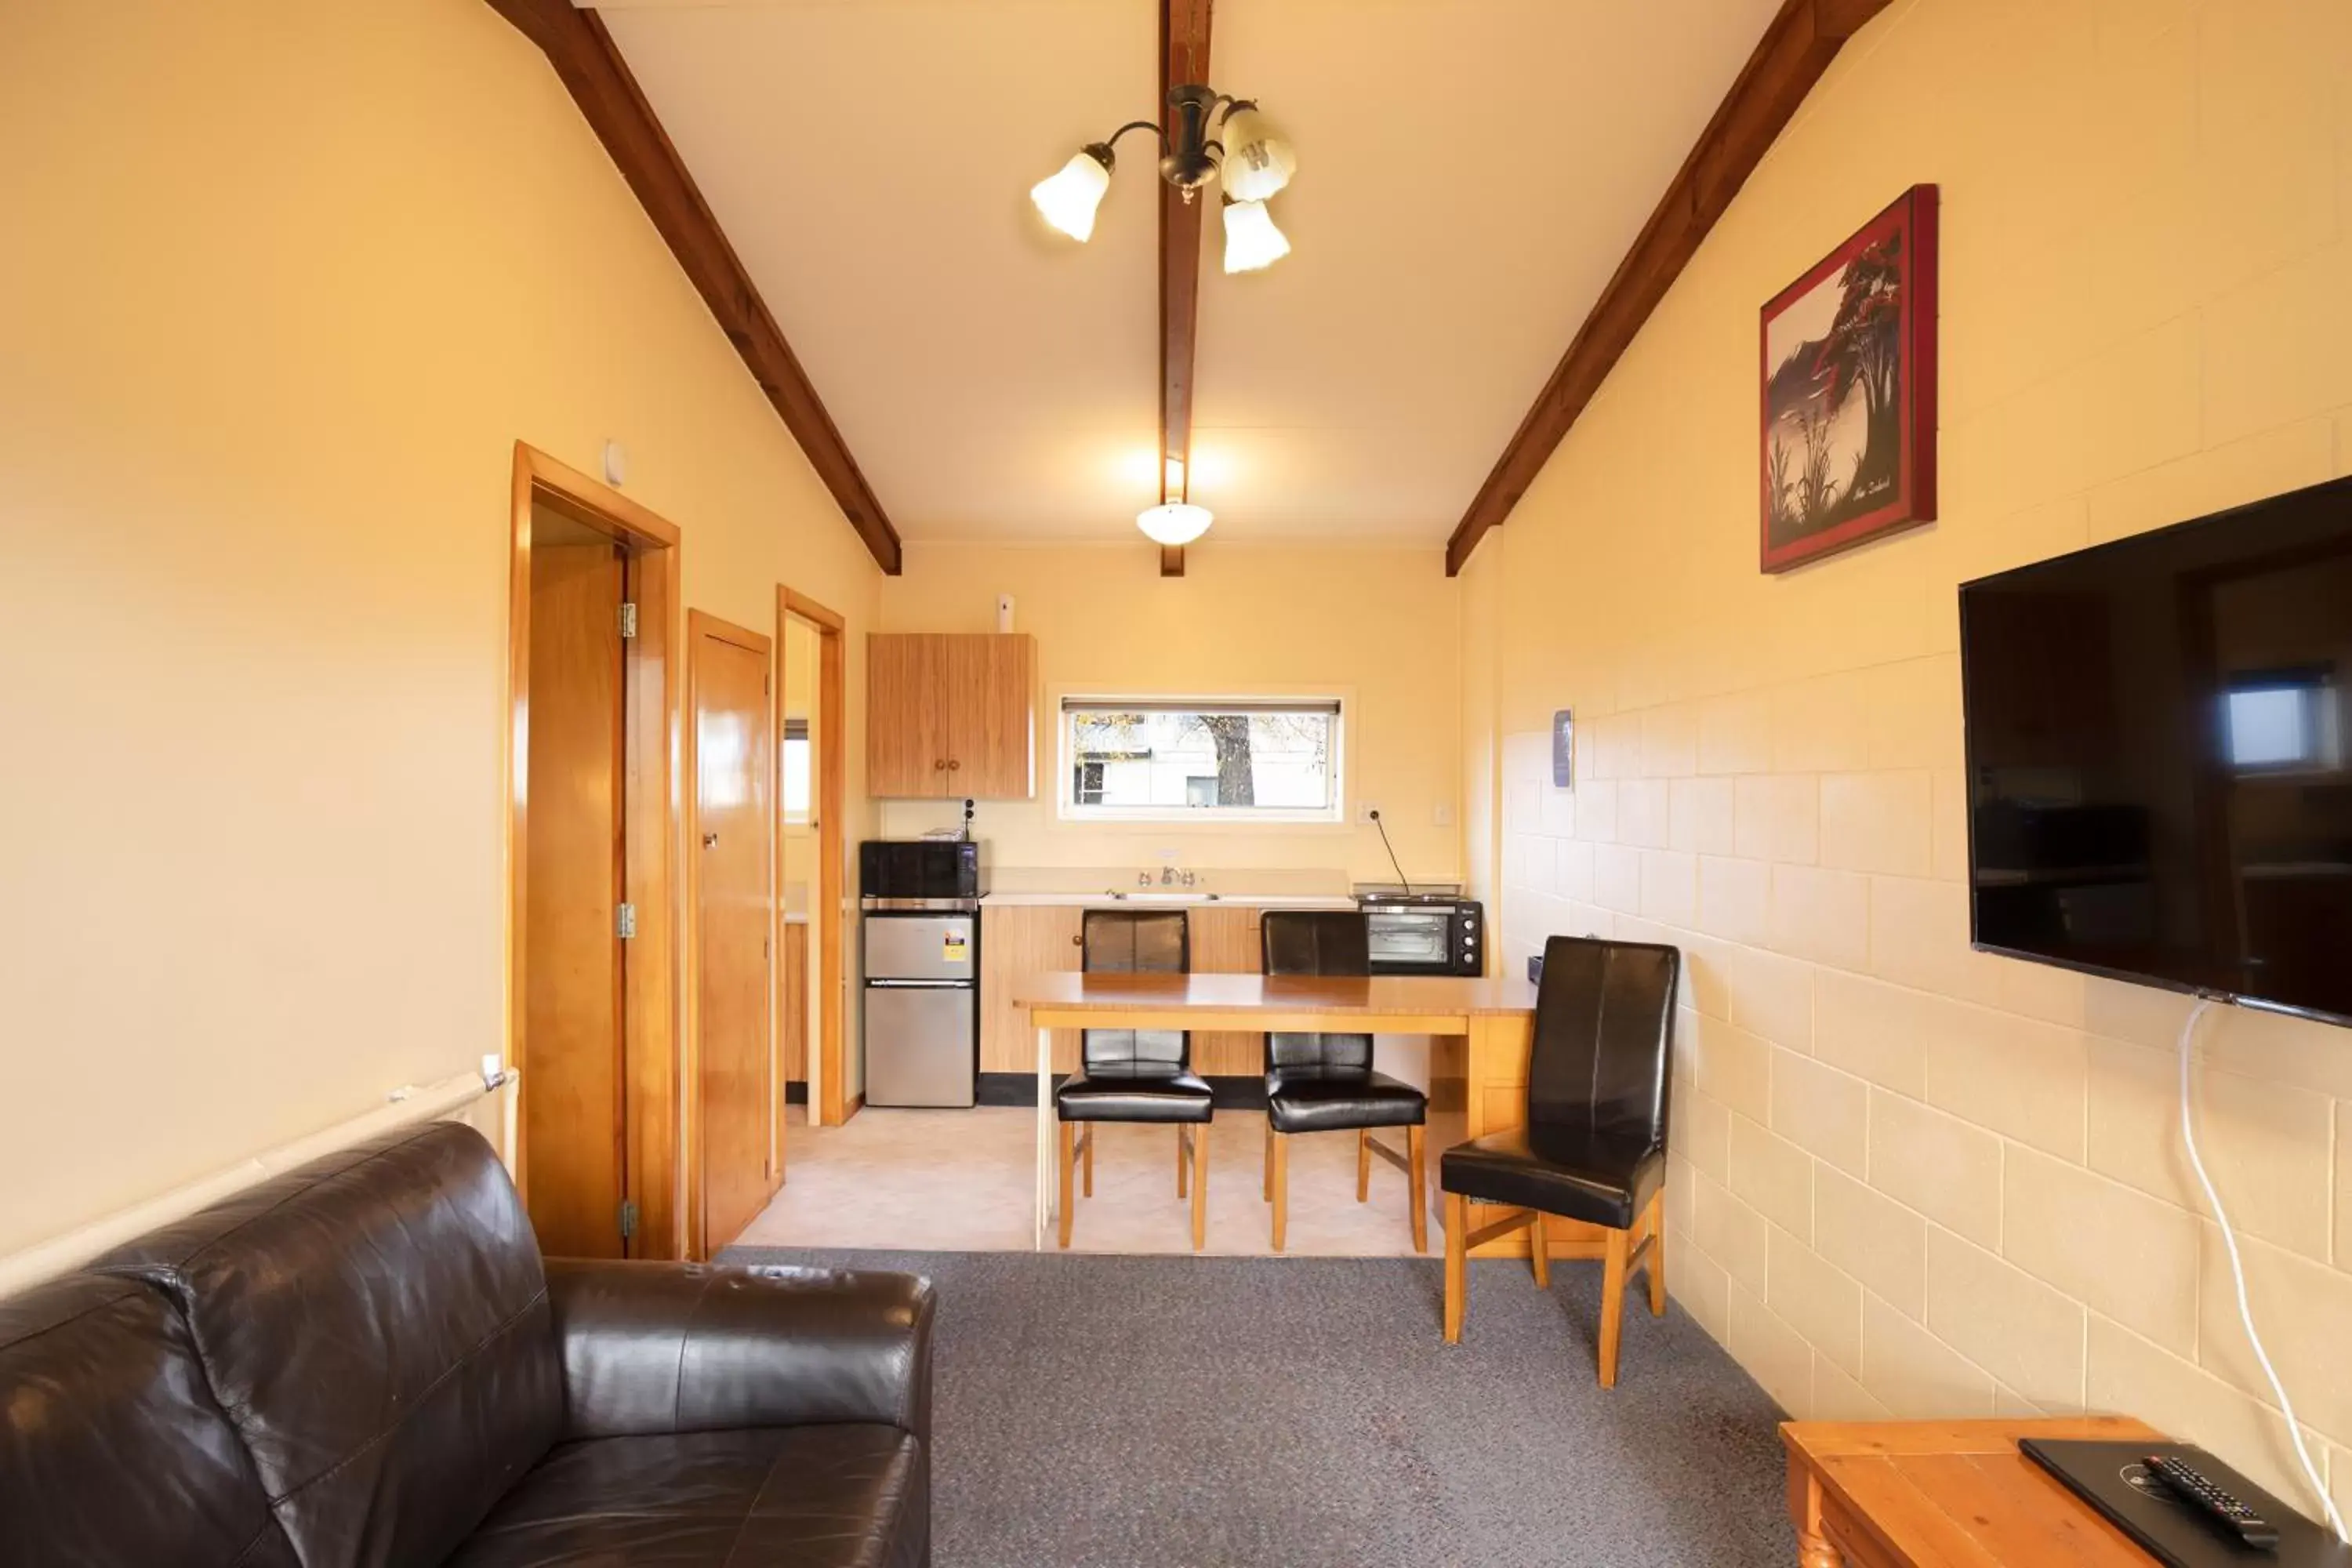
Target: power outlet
[(1366, 810)]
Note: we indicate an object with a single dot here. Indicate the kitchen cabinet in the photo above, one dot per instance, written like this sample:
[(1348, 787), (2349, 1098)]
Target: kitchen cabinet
[(949, 715), (1225, 940), (1047, 939), (1017, 940)]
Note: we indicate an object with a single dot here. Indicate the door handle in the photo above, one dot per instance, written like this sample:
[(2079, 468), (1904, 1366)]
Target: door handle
[(953, 766), (939, 766), (709, 840)]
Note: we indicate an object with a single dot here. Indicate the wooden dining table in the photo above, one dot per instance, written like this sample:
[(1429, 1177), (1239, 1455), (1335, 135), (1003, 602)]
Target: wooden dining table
[(1497, 1018)]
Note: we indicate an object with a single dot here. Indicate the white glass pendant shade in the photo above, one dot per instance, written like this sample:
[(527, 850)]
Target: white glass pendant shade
[(1069, 197), (1257, 162), (1174, 522), (1251, 239)]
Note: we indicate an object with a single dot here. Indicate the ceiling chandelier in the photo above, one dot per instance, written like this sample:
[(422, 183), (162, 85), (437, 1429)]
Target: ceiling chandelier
[(1253, 162), (1244, 150)]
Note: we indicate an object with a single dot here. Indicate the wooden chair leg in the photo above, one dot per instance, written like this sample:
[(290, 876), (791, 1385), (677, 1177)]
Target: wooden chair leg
[(1181, 1154), (1200, 1186), (1457, 1261), (1613, 1304), (1089, 1158), (1281, 1189), (1061, 1168), (1269, 1158), (1420, 1189), (1538, 1250), (1363, 1165), (1655, 1266)]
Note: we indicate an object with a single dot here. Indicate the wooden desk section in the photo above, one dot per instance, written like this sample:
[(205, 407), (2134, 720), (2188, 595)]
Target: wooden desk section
[(1496, 1016), (1947, 1494)]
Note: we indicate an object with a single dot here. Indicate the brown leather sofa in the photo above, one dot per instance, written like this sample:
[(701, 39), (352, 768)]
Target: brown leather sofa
[(366, 1362)]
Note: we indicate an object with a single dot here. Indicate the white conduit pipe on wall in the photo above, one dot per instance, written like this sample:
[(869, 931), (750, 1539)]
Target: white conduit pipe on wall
[(404, 1106)]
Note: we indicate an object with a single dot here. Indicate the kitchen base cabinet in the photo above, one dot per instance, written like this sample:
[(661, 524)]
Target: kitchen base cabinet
[(1017, 940)]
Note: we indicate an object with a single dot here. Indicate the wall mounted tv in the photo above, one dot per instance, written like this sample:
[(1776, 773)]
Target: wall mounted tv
[(2159, 756)]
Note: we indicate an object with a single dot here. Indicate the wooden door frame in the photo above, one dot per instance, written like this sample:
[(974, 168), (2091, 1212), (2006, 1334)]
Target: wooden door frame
[(700, 623), (651, 1065), (828, 1104)]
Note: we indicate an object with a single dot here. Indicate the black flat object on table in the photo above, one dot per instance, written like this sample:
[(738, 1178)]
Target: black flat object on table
[(2114, 1478)]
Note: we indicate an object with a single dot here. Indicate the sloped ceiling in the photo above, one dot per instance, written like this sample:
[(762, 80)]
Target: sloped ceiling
[(1470, 174)]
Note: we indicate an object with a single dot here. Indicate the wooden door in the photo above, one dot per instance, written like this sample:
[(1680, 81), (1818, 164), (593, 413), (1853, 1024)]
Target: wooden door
[(906, 715), (992, 716), (1017, 940), (574, 1104), (1225, 940), (730, 843)]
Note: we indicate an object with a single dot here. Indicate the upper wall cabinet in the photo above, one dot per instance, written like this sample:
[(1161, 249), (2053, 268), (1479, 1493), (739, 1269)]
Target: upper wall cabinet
[(951, 715)]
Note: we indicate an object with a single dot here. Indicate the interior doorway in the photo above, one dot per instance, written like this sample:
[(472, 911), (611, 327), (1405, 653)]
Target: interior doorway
[(730, 785), (590, 938), (813, 924)]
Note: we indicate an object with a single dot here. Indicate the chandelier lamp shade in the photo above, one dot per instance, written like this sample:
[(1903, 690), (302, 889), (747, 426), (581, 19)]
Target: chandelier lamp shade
[(1208, 136)]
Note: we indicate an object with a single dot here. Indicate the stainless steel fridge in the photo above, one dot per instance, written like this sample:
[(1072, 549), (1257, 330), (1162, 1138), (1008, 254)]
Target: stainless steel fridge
[(922, 1001)]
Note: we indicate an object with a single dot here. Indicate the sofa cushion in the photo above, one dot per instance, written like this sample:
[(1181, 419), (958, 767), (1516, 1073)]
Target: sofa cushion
[(847, 1496), (111, 1447), (376, 1324)]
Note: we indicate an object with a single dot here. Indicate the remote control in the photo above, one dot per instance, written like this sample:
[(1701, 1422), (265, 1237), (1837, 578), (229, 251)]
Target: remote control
[(2190, 1483)]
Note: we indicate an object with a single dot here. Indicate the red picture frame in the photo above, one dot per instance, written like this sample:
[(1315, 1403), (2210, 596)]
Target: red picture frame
[(1847, 391)]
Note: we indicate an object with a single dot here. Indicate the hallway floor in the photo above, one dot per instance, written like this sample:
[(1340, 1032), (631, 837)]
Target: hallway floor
[(959, 1181)]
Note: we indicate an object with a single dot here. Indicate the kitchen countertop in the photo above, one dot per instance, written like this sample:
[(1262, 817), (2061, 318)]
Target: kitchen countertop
[(1157, 897), (1116, 887)]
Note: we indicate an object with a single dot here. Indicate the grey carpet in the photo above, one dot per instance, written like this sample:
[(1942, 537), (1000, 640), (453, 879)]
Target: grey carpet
[(1109, 1412)]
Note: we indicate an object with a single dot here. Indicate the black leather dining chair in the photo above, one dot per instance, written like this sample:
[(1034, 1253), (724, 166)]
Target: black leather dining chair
[(1137, 1075), (1325, 1083), (1594, 1148)]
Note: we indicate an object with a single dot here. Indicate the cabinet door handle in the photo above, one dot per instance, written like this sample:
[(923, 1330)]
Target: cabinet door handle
[(938, 766), (1077, 942), (953, 766)]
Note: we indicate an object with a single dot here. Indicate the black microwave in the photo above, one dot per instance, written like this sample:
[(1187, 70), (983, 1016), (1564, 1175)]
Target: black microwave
[(918, 869)]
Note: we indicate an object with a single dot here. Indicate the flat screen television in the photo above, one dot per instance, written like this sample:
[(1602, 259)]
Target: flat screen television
[(2159, 756)]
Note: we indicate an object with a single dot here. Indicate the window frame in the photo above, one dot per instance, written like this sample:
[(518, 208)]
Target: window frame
[(1065, 809)]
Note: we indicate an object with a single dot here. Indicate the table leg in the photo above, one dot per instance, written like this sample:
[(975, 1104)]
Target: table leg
[(1813, 1548), (1043, 1184)]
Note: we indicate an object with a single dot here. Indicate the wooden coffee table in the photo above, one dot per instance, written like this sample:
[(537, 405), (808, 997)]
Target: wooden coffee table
[(1946, 1494)]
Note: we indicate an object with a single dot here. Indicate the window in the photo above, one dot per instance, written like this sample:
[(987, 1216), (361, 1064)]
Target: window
[(1180, 760), (2283, 722), (796, 769)]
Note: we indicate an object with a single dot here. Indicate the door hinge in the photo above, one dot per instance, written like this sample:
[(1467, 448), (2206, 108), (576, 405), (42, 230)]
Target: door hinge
[(628, 619), (624, 921), (628, 1218)]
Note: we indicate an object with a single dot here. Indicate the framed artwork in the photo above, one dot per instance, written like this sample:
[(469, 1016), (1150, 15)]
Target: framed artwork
[(1849, 391)]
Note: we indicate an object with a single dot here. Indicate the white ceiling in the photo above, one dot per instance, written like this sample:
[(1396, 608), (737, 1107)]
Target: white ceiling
[(1470, 174)]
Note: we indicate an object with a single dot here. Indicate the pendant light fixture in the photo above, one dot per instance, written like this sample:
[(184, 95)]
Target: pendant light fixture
[(1175, 520), (1208, 136)]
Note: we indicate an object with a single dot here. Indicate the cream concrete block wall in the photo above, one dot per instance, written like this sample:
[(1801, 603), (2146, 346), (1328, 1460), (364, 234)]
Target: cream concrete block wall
[(1911, 1179), (283, 283), (1376, 624)]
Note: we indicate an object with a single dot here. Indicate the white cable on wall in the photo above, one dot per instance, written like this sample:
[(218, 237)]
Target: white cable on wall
[(2238, 1273)]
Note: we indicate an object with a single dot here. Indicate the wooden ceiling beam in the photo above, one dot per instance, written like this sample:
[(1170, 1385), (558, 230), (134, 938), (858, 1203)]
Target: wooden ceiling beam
[(1796, 48), (1183, 59), (590, 66)]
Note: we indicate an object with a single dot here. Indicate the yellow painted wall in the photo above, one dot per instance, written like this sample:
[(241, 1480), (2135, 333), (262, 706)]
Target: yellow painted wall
[(281, 286), (1375, 625), (1909, 1179)]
